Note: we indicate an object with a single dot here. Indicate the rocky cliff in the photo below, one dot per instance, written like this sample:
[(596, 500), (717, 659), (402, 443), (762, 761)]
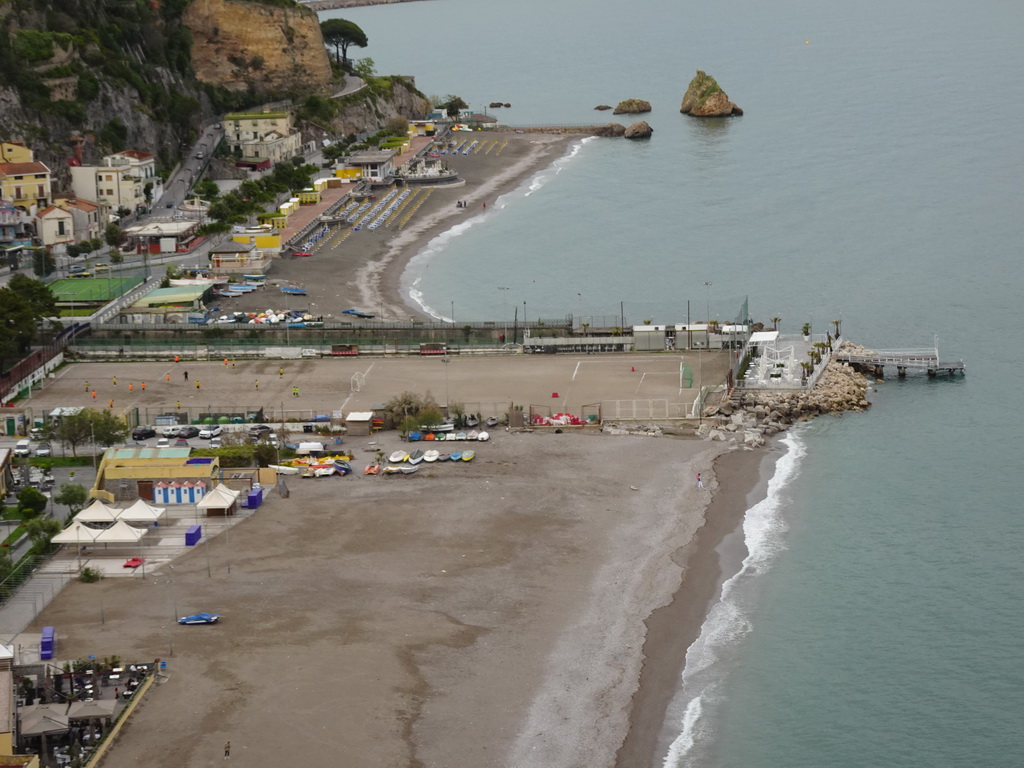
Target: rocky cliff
[(705, 98), (247, 46)]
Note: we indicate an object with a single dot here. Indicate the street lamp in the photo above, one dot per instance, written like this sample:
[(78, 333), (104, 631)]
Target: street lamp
[(707, 284), (446, 360)]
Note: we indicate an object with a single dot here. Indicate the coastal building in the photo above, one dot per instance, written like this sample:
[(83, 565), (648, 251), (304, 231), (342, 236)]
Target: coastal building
[(235, 258), (176, 304), (17, 227), (15, 152), (125, 179), (373, 164), (126, 474), (258, 137), (25, 185), (161, 237), (55, 226), (89, 219)]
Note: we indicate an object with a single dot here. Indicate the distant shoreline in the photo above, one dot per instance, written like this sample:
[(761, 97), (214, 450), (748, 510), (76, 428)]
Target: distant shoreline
[(331, 5)]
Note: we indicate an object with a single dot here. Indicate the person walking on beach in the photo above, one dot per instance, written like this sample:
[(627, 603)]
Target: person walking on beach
[(87, 386), (111, 403), (115, 381), (197, 385), (178, 405), (295, 391), (257, 385), (94, 394), (186, 375), (143, 386), (131, 387), (227, 749), (280, 373), (700, 483), (167, 377)]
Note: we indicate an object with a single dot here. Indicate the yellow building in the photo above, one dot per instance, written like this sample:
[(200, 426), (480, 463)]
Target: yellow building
[(11, 152), (126, 474), (26, 185)]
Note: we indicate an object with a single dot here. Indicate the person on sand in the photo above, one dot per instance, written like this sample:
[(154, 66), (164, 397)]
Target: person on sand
[(280, 373), (257, 384), (700, 483), (197, 383), (94, 394), (186, 375), (87, 386), (227, 749), (167, 377)]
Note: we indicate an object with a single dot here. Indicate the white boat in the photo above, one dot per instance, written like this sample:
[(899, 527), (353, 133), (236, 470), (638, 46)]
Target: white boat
[(431, 456), (324, 471), (282, 470), (398, 456), (435, 428), (483, 437), (473, 434), (416, 457), (408, 470)]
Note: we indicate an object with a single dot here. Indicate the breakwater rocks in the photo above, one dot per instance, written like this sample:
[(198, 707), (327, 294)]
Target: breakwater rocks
[(752, 416)]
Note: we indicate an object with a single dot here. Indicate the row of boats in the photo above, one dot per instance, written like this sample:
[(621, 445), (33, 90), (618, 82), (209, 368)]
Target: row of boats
[(473, 435)]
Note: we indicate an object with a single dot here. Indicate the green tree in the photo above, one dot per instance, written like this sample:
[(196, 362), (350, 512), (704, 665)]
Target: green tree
[(206, 189), (17, 325), (397, 126), (342, 33), (106, 427), (73, 496), (43, 263), (74, 430), (40, 531), (453, 105), (113, 235), (38, 294), (31, 503), (365, 68)]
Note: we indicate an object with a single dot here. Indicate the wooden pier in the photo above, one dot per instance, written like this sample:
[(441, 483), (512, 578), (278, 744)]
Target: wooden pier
[(927, 360)]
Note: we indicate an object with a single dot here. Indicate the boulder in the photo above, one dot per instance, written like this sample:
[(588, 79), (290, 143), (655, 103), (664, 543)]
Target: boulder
[(495, 104), (602, 107), (632, 107), (612, 130), (639, 130), (705, 98)]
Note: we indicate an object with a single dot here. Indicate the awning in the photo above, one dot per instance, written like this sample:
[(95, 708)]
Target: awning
[(141, 512), (120, 533), (76, 533), (97, 512)]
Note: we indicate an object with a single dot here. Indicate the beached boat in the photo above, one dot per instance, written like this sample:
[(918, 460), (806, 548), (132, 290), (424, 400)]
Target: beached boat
[(431, 456), (456, 455), (493, 422), (324, 471), (430, 436), (408, 470), (415, 437), (283, 470), (483, 437), (472, 421), (357, 313), (398, 457), (309, 472), (371, 469), (228, 294), (460, 436), (255, 278), (342, 467), (444, 457), (416, 457), (468, 455), (473, 434), (293, 291), (391, 470), (444, 427)]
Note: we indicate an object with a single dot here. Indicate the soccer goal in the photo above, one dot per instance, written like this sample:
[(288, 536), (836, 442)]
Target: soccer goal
[(357, 382)]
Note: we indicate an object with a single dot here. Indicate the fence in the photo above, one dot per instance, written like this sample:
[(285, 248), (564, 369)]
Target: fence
[(20, 377), (644, 410)]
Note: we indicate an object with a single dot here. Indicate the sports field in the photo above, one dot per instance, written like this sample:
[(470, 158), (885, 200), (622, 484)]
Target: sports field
[(92, 289)]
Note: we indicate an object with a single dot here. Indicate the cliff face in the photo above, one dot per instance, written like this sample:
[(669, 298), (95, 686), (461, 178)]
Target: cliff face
[(243, 46), (367, 111)]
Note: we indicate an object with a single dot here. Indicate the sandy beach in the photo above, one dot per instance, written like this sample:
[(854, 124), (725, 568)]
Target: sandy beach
[(365, 269), (486, 614)]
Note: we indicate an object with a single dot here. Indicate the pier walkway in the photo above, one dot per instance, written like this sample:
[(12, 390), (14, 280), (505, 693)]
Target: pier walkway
[(927, 360)]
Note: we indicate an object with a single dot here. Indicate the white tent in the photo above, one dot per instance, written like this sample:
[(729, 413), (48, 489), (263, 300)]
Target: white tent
[(97, 512), (120, 533), (141, 512), (219, 501), (76, 533)]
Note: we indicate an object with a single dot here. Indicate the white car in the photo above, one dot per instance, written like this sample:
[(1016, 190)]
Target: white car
[(273, 440), (171, 431), (212, 431), (163, 442), (215, 442)]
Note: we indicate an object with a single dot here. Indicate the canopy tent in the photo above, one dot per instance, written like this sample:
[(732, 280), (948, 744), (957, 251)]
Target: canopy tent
[(141, 512), (41, 724), (76, 533), (120, 533), (219, 501), (92, 710), (97, 512)]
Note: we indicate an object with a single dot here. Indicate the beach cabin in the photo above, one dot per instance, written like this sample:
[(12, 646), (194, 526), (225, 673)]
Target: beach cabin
[(373, 164), (220, 502), (359, 423)]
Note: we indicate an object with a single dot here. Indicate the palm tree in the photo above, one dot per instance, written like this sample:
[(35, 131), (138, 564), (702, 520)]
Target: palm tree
[(838, 324), (775, 323)]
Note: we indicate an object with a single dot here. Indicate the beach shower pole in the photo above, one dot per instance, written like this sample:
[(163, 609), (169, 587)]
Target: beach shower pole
[(504, 306), (707, 284)]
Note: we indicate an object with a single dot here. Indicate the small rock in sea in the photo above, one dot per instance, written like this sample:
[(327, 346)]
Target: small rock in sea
[(507, 104), (632, 107), (705, 98), (640, 130), (495, 104), (602, 107)]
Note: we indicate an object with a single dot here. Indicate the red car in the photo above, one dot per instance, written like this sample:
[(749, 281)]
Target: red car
[(134, 562), (297, 254)]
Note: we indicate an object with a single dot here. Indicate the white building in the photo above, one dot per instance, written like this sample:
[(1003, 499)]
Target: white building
[(119, 181)]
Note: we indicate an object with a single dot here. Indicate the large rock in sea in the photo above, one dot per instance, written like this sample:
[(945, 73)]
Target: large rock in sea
[(612, 130), (639, 130), (705, 98), (632, 107)]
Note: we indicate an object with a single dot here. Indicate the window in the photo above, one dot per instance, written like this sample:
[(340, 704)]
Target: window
[(42, 191), (60, 228), (17, 193)]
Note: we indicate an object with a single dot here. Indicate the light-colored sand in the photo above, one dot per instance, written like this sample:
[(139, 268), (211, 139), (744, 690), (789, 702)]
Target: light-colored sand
[(484, 614)]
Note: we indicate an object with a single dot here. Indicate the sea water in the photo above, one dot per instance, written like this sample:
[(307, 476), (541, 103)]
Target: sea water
[(876, 177)]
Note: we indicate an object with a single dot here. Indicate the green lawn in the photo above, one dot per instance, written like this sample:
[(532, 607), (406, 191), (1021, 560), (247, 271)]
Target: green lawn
[(92, 289)]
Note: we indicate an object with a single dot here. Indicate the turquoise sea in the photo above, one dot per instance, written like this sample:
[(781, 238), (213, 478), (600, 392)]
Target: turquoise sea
[(877, 176)]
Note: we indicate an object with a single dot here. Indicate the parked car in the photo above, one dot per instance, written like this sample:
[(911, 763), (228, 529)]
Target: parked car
[(181, 442), (23, 448), (212, 431), (259, 430), (101, 267), (43, 449), (163, 442), (188, 431), (74, 269), (273, 439), (143, 433), (200, 618), (215, 442), (81, 274), (170, 431), (200, 155), (301, 254)]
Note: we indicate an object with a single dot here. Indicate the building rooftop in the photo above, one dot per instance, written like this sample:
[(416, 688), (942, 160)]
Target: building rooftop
[(21, 169), (174, 296), (121, 454), (160, 229), (135, 154), (371, 156), (255, 115)]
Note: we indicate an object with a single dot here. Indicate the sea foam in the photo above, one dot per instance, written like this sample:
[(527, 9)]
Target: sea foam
[(728, 621)]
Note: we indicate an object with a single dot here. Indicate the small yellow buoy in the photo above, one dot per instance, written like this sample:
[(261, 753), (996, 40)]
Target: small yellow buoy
[(807, 42)]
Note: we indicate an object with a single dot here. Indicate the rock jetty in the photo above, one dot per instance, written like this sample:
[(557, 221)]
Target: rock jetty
[(612, 130), (755, 415), (632, 107), (705, 98), (640, 130)]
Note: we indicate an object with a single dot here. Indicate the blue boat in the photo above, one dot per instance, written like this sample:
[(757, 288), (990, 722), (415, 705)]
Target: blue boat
[(456, 456), (415, 436), (293, 291), (342, 467), (357, 313)]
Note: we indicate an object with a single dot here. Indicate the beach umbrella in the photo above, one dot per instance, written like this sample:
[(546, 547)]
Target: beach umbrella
[(92, 710), (42, 724)]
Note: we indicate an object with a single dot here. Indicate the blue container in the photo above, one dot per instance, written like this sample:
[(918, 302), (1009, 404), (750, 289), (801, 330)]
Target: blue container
[(193, 535)]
